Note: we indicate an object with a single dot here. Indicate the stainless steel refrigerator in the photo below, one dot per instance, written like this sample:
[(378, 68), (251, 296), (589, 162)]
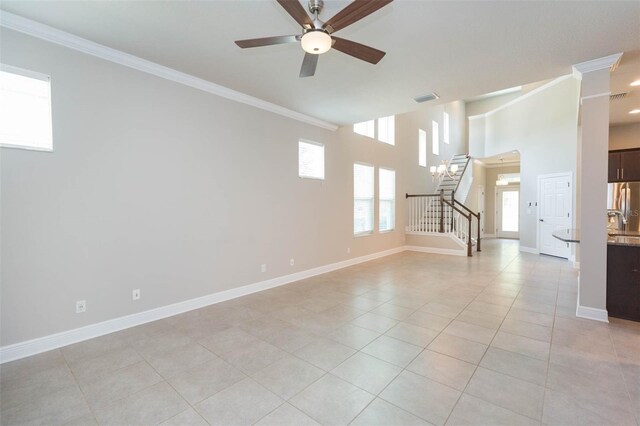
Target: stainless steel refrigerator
[(624, 197)]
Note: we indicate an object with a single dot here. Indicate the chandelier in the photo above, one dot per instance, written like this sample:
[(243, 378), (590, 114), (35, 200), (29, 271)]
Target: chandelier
[(442, 170), (501, 179)]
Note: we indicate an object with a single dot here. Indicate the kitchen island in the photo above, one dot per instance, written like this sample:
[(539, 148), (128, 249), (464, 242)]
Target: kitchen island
[(623, 271)]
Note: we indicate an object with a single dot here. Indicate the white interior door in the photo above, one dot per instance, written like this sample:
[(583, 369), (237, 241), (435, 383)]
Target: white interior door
[(481, 208), (555, 212), (508, 212)]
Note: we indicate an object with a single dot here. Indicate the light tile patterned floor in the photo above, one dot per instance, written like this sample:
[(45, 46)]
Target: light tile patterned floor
[(408, 339)]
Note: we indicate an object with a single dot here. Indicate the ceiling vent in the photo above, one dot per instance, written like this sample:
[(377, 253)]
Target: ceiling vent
[(426, 98), (618, 96)]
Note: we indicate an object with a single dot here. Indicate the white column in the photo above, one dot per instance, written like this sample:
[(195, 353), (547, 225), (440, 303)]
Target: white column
[(592, 200)]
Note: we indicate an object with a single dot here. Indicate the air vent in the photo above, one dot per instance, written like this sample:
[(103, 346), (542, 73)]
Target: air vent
[(426, 98), (618, 96)]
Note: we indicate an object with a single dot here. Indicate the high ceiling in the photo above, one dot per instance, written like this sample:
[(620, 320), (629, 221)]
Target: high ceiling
[(627, 72), (457, 49)]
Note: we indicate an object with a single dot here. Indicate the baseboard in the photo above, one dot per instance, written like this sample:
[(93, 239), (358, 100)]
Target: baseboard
[(529, 250), (592, 313), (434, 250), (54, 341), (488, 236)]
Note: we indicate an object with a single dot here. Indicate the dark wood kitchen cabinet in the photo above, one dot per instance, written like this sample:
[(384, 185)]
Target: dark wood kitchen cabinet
[(623, 282), (624, 165)]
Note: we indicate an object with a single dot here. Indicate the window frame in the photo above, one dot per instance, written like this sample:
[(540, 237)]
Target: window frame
[(390, 137), (320, 144), (36, 76), (380, 200), (445, 128), (373, 200), (371, 123), (422, 148), (435, 138)]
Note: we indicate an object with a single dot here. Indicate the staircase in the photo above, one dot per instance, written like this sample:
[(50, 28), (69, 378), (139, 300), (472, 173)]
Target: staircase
[(443, 223), (450, 184)]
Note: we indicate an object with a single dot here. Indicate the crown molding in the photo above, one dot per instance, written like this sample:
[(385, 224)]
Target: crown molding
[(62, 38), (506, 164), (608, 62)]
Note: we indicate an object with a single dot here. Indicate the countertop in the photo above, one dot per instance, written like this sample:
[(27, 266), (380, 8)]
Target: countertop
[(624, 238), (567, 235), (615, 238)]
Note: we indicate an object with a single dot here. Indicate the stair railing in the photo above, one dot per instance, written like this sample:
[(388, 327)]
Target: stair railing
[(476, 215), (421, 213), (436, 213)]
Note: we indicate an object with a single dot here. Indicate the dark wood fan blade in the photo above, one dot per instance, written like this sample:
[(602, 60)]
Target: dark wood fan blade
[(267, 41), (357, 10), (309, 65), (297, 12), (357, 50)]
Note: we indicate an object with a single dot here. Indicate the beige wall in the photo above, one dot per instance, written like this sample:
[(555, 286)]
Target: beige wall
[(490, 194), (419, 178), (624, 136), (158, 186)]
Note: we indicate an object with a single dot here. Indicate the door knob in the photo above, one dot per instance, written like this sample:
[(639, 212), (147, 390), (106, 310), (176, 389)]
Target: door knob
[(541, 220)]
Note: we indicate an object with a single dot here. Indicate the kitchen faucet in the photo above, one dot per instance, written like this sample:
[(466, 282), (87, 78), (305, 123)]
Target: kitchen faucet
[(622, 221)]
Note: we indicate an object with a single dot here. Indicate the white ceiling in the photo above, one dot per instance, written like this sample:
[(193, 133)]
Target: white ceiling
[(627, 72), (457, 49)]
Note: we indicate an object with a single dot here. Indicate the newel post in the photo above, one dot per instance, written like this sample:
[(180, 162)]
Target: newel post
[(479, 248), (442, 210)]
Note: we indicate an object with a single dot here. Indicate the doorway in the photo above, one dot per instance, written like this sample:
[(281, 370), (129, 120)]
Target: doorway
[(508, 212), (555, 212)]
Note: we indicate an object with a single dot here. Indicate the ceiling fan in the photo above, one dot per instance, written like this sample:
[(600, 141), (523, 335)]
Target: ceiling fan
[(317, 36)]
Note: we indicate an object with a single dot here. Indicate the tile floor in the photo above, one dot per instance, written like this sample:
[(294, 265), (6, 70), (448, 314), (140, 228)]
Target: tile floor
[(408, 339)]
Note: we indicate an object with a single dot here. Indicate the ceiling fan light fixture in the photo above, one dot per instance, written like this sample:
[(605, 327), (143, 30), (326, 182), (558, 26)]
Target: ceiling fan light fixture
[(316, 42)]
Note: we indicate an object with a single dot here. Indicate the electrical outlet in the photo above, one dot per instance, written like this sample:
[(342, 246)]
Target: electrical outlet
[(81, 306), (348, 250), (136, 294), (263, 267), (292, 262)]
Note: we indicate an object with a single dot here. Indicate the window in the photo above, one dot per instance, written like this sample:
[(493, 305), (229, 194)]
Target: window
[(310, 160), (25, 109), (362, 199), (435, 143), (422, 148), (445, 128), (387, 130), (387, 194), (510, 177), (366, 128)]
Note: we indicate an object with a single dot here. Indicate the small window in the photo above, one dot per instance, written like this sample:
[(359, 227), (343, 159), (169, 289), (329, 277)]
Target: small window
[(445, 128), (310, 160), (422, 148), (366, 128), (25, 109), (387, 130), (435, 142), (362, 199), (387, 194)]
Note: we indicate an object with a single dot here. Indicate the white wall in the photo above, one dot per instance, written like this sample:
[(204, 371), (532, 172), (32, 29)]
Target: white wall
[(158, 186), (542, 126), (481, 106), (624, 136)]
